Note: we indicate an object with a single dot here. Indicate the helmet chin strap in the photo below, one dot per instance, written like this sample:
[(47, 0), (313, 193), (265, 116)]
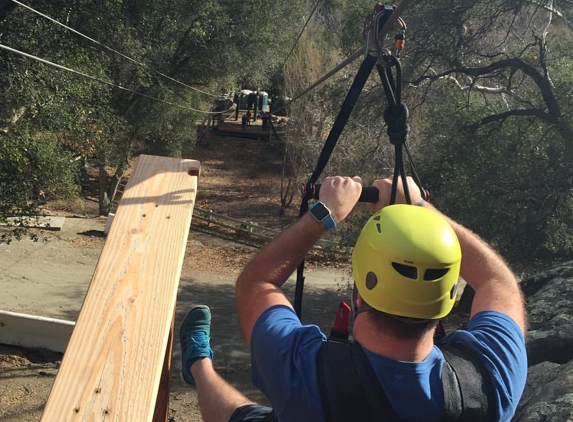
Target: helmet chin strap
[(356, 310)]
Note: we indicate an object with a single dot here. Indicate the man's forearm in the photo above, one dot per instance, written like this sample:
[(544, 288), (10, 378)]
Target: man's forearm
[(279, 259), (259, 286)]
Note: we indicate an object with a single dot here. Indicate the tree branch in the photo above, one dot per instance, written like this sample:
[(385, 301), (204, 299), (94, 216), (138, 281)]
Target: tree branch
[(519, 112), (553, 9), (543, 84)]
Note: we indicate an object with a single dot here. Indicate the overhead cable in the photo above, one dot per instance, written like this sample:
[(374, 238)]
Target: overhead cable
[(85, 75), (362, 50), (111, 49), (301, 32)]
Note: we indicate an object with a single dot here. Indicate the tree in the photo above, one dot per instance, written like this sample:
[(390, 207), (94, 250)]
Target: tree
[(490, 79), (34, 170), (162, 60)]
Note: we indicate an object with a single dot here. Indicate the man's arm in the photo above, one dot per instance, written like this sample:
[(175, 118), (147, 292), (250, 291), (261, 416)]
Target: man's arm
[(258, 287), (495, 285)]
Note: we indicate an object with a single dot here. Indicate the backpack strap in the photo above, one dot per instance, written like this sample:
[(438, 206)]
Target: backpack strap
[(467, 385), (349, 388)]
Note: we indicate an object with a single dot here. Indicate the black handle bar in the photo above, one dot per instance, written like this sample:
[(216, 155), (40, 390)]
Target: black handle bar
[(369, 193)]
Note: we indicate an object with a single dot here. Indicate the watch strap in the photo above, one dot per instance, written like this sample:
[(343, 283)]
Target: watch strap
[(323, 215)]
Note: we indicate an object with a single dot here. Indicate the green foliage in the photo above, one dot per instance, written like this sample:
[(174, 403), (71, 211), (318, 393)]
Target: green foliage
[(507, 181), (34, 170), (344, 23), (167, 130), (212, 45), (489, 90), (488, 87)]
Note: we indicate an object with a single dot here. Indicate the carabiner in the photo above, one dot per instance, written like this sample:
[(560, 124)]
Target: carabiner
[(373, 25)]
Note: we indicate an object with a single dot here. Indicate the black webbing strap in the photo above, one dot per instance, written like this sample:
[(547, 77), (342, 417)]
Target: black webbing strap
[(347, 107), (349, 388), (335, 132), (467, 386)]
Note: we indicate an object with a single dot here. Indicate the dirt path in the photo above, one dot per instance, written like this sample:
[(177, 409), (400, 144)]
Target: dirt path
[(239, 178)]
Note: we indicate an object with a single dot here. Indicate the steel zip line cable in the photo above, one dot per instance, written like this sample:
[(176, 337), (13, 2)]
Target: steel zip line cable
[(85, 75), (362, 50), (301, 32), (110, 49)]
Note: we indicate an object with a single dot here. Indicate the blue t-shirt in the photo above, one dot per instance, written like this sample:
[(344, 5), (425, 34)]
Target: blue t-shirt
[(283, 353)]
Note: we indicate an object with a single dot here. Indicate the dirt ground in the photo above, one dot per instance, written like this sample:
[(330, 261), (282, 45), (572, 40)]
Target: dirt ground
[(239, 178)]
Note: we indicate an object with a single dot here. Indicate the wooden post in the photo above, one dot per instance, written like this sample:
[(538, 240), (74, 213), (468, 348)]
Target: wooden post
[(161, 413), (117, 362)]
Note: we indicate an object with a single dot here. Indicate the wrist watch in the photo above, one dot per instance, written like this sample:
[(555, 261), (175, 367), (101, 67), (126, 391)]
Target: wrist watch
[(322, 215)]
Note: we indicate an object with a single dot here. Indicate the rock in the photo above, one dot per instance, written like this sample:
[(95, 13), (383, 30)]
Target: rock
[(548, 395), (549, 301)]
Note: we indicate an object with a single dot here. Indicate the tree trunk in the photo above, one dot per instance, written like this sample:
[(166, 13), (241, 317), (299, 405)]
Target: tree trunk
[(103, 185)]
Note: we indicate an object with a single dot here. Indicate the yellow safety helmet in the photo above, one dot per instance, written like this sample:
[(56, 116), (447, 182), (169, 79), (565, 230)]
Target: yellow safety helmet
[(406, 262)]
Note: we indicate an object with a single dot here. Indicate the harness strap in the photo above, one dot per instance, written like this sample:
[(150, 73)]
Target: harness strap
[(467, 383), (345, 366), (453, 406), (350, 389)]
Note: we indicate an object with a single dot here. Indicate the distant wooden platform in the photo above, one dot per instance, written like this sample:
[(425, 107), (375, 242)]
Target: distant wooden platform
[(235, 130), (116, 366)]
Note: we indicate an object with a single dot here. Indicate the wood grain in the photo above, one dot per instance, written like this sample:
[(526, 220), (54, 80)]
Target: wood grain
[(112, 368)]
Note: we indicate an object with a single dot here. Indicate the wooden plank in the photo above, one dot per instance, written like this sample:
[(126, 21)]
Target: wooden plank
[(112, 368), (34, 331)]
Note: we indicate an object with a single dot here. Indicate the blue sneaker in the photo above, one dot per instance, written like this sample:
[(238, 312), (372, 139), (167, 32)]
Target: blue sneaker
[(194, 335)]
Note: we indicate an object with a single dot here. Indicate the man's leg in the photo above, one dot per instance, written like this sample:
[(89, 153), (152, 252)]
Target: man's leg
[(218, 399)]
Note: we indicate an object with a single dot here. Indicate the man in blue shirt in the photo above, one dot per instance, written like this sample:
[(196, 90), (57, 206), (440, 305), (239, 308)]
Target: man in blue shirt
[(406, 264)]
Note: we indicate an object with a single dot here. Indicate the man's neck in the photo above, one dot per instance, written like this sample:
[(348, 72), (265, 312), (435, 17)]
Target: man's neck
[(369, 337)]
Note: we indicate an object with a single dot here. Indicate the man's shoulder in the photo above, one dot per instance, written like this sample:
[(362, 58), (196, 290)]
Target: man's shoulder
[(281, 324), (489, 328), (498, 342)]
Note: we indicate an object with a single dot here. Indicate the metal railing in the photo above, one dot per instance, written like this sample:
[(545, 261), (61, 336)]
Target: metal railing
[(247, 230)]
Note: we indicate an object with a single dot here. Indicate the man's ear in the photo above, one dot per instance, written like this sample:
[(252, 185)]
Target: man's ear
[(359, 300)]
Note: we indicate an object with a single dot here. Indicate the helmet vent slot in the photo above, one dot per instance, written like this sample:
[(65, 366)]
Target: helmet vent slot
[(371, 280), (406, 270), (378, 227), (435, 273), (454, 291)]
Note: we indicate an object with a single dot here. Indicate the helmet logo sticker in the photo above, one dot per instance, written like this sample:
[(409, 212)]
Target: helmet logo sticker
[(371, 280)]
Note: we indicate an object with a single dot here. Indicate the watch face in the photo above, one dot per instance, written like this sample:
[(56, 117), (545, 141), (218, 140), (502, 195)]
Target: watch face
[(320, 211)]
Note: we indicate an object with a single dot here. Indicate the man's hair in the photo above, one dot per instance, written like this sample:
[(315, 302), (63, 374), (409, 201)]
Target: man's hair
[(401, 328)]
